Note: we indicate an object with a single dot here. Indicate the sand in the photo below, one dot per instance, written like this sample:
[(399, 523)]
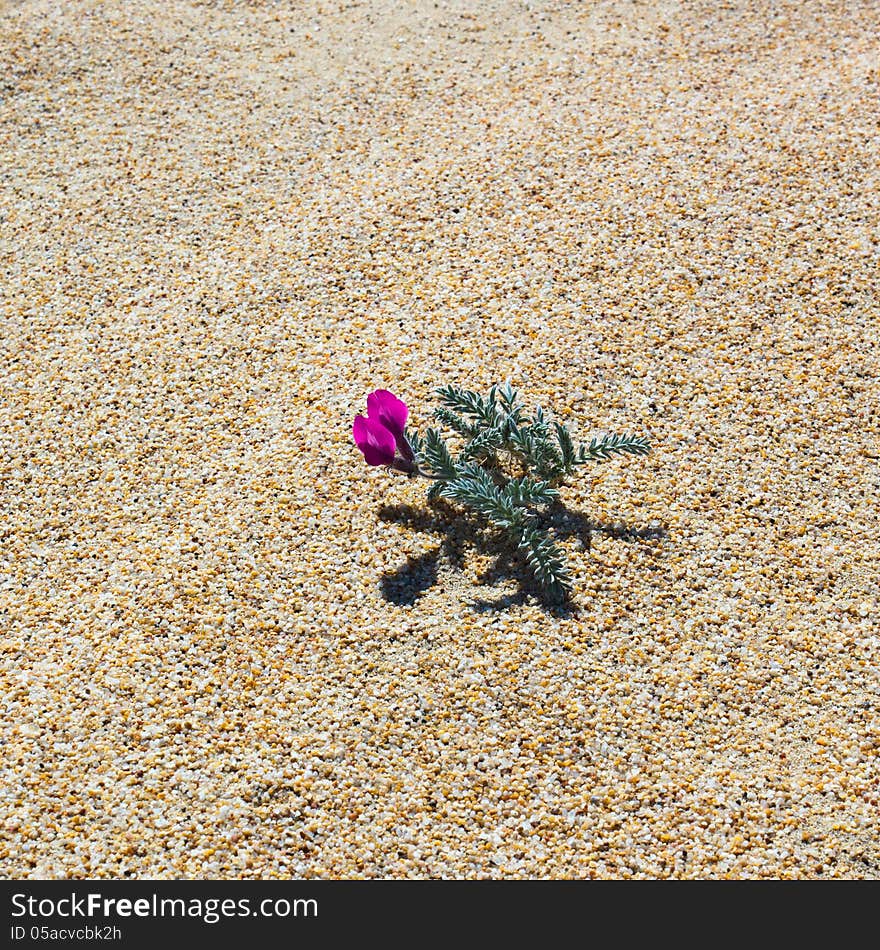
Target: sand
[(230, 649)]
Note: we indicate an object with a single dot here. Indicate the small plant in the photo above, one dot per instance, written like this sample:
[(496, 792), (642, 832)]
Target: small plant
[(506, 464)]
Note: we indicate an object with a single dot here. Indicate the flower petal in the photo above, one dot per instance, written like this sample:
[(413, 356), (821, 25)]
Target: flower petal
[(374, 440), (385, 407)]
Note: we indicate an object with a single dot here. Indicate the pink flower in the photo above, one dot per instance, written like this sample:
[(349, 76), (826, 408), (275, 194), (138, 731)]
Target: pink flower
[(388, 409), (374, 440), (392, 413), (382, 432)]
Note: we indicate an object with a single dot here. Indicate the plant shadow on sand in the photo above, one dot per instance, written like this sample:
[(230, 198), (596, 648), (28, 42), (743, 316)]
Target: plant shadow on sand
[(459, 534)]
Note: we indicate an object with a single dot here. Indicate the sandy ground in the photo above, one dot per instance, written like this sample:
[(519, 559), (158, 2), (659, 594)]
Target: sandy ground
[(229, 648)]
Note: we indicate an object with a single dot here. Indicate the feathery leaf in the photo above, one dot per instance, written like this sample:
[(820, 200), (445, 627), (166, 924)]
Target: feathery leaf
[(498, 423), (436, 456), (455, 421), (545, 561), (525, 492), (602, 448)]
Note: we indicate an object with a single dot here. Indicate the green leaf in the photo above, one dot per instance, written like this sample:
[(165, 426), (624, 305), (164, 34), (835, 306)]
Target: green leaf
[(566, 447), (498, 423), (415, 440), (436, 456), (455, 421), (434, 490), (601, 449), (546, 562), (525, 492), (483, 446), (510, 403), (468, 403), (477, 490), (536, 450)]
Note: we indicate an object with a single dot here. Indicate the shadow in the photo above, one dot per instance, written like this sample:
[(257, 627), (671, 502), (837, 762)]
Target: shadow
[(459, 533), (559, 610), (567, 524), (404, 586), (439, 519)]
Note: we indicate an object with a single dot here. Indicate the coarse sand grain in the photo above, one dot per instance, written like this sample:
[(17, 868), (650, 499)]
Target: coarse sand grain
[(232, 650)]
